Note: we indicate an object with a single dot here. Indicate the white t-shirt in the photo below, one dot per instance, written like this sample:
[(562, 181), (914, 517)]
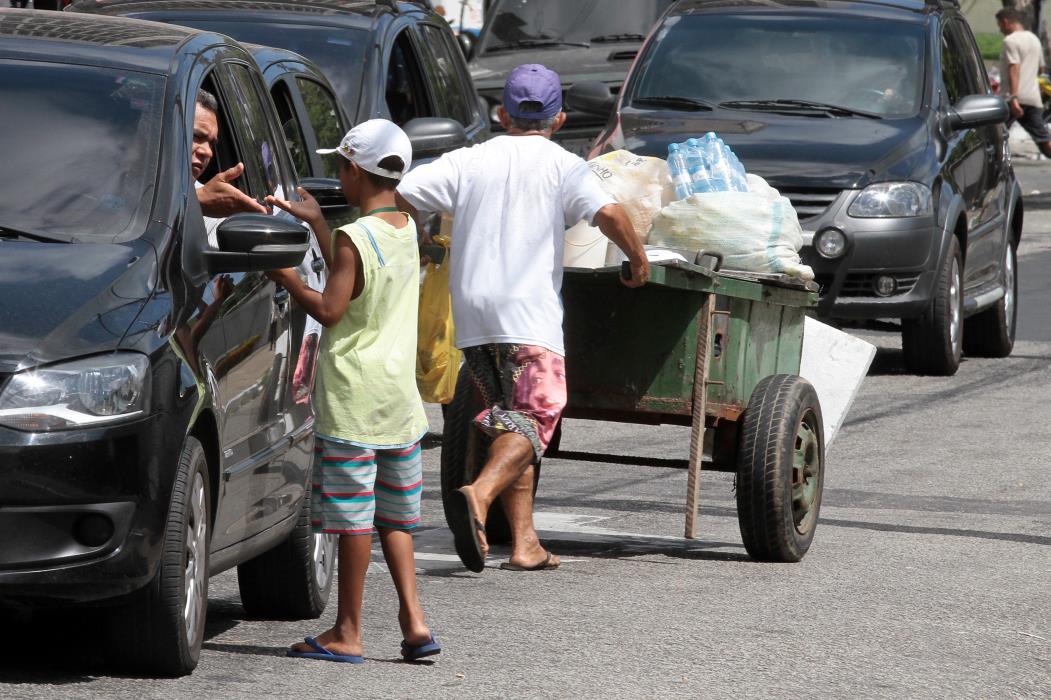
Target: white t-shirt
[(511, 199), (1022, 48)]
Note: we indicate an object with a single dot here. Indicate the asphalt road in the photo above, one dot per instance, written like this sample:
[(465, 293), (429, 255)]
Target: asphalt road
[(928, 577)]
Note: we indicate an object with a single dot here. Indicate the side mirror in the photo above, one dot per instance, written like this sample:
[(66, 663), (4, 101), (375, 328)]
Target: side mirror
[(466, 42), (329, 194), (433, 136), (257, 242), (977, 110), (326, 190), (591, 97)]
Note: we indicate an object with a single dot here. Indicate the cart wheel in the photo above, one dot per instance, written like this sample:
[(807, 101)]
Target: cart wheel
[(780, 469), (463, 454)]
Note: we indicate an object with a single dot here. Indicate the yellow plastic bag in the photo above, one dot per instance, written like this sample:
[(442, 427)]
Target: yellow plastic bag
[(437, 359)]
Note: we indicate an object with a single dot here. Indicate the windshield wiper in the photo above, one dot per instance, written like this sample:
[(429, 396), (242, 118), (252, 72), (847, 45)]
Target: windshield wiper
[(675, 102), (797, 105), (9, 232), (618, 37), (534, 43)]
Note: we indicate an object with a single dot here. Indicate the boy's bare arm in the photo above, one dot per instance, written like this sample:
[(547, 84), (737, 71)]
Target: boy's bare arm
[(616, 226), (342, 285)]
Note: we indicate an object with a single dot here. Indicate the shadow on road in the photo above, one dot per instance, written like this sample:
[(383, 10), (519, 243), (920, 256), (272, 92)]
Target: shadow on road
[(79, 655)]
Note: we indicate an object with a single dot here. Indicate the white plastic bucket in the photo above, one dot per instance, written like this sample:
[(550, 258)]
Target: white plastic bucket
[(585, 247)]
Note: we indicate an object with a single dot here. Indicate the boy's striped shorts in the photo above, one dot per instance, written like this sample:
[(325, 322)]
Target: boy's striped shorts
[(356, 488)]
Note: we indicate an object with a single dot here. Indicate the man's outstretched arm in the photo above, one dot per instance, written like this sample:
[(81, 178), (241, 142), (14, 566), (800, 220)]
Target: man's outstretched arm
[(220, 199)]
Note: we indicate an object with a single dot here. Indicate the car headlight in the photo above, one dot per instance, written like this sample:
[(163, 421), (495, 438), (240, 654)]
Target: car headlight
[(78, 394), (892, 199)]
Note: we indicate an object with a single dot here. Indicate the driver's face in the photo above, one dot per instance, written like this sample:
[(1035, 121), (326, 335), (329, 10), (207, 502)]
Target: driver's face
[(205, 135)]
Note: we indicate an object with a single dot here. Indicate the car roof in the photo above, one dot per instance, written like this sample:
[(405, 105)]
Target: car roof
[(111, 41), (343, 12), (863, 8)]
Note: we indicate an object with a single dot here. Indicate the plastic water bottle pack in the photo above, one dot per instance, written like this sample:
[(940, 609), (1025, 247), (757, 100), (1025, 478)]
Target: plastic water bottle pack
[(700, 166)]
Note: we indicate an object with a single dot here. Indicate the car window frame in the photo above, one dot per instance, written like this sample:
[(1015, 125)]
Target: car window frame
[(461, 90), (397, 33)]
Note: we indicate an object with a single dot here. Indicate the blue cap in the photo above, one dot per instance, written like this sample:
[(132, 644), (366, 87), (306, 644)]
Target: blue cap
[(535, 87)]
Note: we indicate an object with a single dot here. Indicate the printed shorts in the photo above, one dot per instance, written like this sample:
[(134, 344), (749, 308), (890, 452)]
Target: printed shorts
[(523, 388), (356, 488), (1032, 120)]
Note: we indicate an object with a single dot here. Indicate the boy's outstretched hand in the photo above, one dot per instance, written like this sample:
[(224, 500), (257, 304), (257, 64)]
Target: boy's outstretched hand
[(308, 210), (286, 277)]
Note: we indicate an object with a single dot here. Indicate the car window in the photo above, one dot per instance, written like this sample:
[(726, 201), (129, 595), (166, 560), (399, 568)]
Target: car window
[(513, 22), (338, 51), (972, 59), (291, 129), (259, 151), (323, 114), (450, 93), (405, 95), (81, 146), (954, 65), (866, 64)]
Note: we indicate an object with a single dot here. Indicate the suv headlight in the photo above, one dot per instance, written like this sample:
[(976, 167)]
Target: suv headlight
[(78, 394), (892, 199)]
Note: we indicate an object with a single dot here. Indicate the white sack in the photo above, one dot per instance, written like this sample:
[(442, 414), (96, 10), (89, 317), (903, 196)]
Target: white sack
[(755, 231)]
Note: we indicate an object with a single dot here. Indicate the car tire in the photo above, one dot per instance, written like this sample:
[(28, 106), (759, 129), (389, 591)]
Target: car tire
[(991, 333), (932, 344), (293, 580), (160, 628)]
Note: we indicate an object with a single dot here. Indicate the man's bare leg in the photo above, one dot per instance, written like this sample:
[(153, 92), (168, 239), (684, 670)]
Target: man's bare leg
[(510, 456), (1045, 148), (518, 506)]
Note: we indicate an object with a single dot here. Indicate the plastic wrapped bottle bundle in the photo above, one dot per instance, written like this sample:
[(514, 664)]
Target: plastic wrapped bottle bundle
[(701, 166)]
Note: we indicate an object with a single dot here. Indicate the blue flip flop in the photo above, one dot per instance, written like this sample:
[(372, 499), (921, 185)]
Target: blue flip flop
[(415, 652), (323, 654)]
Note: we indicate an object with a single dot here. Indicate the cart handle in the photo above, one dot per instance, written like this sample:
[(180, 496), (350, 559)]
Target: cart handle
[(709, 261)]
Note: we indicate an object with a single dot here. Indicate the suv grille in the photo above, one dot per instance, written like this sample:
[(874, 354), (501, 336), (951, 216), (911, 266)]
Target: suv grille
[(811, 202)]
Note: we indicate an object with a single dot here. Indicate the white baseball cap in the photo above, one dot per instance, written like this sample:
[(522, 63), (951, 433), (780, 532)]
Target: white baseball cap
[(370, 142)]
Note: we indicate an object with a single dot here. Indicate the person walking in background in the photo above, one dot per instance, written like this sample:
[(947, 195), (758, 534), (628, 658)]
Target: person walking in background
[(368, 469), (1020, 62), (511, 199)]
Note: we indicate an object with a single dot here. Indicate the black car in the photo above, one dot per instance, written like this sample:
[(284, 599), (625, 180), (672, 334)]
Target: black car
[(396, 60), (149, 437), (580, 40), (875, 120)]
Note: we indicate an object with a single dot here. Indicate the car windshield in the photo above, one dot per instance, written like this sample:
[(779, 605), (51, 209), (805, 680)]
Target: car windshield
[(339, 52), (749, 61), (525, 23), (80, 147)]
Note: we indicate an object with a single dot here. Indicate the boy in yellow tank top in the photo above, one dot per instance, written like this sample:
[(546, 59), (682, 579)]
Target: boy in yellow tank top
[(369, 416)]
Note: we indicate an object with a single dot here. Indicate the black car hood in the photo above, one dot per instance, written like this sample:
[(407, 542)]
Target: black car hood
[(64, 300), (607, 62), (788, 150)]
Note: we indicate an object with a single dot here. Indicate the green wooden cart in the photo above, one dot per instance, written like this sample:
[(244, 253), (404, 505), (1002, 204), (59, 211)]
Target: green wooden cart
[(714, 350)]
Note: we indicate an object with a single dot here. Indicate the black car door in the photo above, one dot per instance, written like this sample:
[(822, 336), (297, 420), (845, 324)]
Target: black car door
[(966, 154), (985, 238), (253, 373)]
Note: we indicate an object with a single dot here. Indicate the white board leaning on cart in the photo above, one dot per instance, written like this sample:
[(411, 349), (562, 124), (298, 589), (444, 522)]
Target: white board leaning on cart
[(835, 363)]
